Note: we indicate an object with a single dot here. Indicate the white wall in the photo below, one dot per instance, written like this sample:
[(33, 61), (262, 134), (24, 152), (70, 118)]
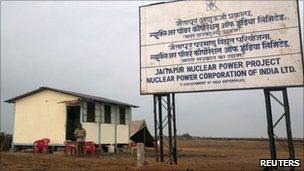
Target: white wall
[(41, 115), (106, 134)]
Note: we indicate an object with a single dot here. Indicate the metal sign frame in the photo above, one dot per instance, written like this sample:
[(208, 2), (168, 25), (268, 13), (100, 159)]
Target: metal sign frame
[(158, 104), (270, 126), (162, 103)]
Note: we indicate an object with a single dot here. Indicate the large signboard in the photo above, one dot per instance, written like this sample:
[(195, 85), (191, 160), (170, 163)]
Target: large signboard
[(188, 46)]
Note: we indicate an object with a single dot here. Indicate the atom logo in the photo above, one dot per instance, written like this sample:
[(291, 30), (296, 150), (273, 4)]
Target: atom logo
[(211, 5)]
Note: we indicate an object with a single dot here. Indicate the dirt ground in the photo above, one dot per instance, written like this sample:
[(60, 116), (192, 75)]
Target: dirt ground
[(202, 154)]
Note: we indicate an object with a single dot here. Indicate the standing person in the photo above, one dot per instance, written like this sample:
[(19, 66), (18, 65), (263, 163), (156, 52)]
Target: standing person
[(80, 135)]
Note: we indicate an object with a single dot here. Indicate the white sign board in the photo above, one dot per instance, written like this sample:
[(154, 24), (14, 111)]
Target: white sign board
[(188, 46)]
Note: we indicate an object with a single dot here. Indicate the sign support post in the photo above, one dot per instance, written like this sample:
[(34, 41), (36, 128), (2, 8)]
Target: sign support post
[(165, 119), (160, 127), (155, 127), (174, 129), (270, 127), (272, 137), (169, 128), (288, 125)]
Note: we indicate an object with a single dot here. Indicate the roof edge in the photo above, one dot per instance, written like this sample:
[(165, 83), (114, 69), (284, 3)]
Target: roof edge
[(12, 100), (94, 98)]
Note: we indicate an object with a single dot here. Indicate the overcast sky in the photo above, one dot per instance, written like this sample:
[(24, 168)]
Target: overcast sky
[(93, 48)]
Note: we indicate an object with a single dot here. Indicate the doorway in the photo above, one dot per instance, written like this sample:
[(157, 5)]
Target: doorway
[(73, 119)]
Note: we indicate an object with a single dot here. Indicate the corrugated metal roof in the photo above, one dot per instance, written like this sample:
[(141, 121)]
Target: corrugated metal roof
[(80, 95), (136, 126)]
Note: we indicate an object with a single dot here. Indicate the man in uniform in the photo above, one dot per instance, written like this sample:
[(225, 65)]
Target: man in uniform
[(80, 135)]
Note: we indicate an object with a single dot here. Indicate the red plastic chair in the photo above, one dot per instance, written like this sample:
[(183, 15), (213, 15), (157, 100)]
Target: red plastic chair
[(89, 147), (132, 146), (69, 146), (41, 145)]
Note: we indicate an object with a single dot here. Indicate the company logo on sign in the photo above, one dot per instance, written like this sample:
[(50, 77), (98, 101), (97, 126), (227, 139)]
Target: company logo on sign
[(211, 5)]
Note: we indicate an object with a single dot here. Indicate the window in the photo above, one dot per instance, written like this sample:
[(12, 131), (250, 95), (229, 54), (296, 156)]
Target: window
[(107, 116), (91, 112), (122, 115)]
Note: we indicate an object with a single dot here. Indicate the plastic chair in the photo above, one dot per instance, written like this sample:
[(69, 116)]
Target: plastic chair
[(69, 146), (41, 145), (132, 146), (89, 147)]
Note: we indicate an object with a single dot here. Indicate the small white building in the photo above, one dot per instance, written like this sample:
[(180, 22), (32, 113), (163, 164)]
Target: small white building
[(54, 114)]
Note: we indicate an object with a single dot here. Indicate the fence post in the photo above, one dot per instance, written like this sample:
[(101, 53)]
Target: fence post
[(140, 154)]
